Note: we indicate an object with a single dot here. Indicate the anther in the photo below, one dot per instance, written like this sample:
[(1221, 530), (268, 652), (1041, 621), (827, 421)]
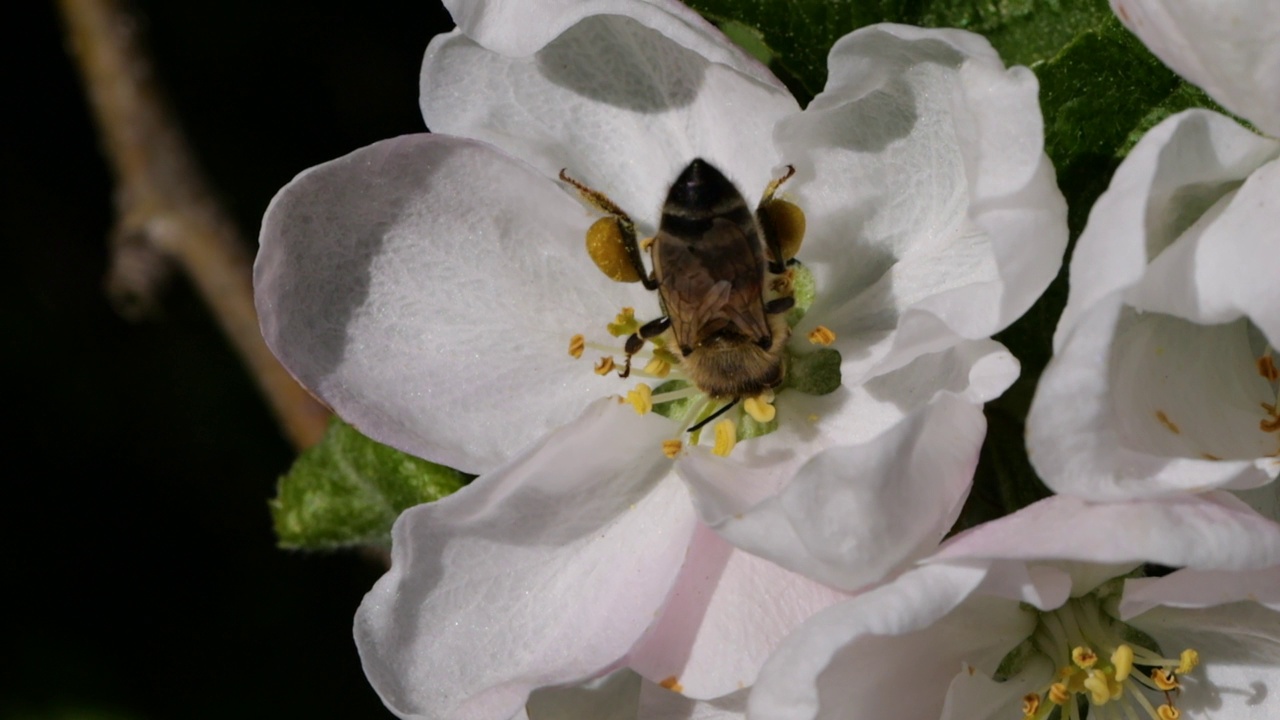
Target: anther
[(672, 448), (604, 366), (760, 408), (822, 335), (1058, 694), (1267, 368), (577, 344), (641, 398), (1164, 680), (1030, 704), (726, 438), (1168, 712), (1122, 659), (624, 324), (1084, 657), (658, 367), (1187, 661)]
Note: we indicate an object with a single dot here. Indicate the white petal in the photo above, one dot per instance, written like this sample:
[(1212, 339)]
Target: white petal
[(613, 697), (854, 514), (727, 612), (658, 703), (1223, 267), (932, 208), (426, 288), (522, 27), (1239, 647), (1202, 588), (1210, 531), (1226, 47), (1179, 169), (1103, 425), (541, 573), (974, 695), (890, 652), (621, 106)]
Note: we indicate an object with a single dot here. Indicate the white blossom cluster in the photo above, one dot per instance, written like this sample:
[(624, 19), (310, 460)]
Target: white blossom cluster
[(428, 289)]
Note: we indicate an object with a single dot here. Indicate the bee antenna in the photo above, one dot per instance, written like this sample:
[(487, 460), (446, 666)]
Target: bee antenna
[(714, 415)]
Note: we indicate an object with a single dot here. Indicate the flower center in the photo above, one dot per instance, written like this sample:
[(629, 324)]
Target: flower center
[(1104, 665), (1269, 372)]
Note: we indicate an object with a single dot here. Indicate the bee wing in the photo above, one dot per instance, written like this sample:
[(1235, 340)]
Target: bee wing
[(713, 283)]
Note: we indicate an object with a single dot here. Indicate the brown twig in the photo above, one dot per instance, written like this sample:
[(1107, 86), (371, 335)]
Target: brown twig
[(166, 214)]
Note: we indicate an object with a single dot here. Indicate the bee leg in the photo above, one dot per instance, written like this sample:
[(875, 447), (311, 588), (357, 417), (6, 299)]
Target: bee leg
[(782, 224), (714, 415), (779, 305), (635, 342), (612, 235)]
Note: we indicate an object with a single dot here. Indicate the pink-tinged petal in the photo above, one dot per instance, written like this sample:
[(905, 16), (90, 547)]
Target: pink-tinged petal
[(726, 614), (613, 697), (1202, 588), (974, 695), (523, 27), (1228, 48), (1223, 267), (1239, 647), (619, 105), (1210, 531), (854, 514), (890, 652), (658, 703), (543, 572), (426, 288), (1104, 426), (955, 224), (1178, 170)]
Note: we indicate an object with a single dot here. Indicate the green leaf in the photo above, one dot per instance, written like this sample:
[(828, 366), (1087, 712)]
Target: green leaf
[(348, 490)]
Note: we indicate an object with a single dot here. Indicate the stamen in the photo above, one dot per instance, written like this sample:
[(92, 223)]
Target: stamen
[(1084, 657), (726, 438), (1187, 661), (1058, 694), (657, 367), (604, 366), (760, 409), (1164, 680), (1030, 703), (1122, 658), (1267, 367), (672, 448), (577, 344), (641, 398), (624, 323), (1168, 712), (822, 335)]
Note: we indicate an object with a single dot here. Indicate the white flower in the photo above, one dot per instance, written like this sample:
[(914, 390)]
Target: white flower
[(1164, 378), (428, 288), (1030, 599)]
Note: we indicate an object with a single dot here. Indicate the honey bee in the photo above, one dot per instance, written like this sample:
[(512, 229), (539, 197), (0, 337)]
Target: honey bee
[(715, 266)]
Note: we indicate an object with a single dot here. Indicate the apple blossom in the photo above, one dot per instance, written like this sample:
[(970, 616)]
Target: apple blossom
[(1165, 376), (434, 290), (1032, 613)]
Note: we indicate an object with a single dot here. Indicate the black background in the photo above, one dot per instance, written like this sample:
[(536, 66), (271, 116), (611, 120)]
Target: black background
[(140, 572)]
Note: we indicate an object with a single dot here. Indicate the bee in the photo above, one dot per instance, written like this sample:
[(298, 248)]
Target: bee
[(721, 275)]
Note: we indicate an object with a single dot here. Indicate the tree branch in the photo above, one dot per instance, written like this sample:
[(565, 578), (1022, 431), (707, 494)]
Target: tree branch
[(166, 214)]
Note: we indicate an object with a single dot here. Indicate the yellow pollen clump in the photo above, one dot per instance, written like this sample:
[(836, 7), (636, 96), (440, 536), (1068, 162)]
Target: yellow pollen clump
[(624, 324), (1164, 680), (726, 438), (577, 344), (604, 366), (1187, 661), (1168, 712), (641, 398), (1122, 658), (672, 448), (658, 367), (672, 683), (760, 409), (822, 335), (1084, 657)]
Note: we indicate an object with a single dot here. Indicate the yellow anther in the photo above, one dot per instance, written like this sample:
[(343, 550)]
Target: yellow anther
[(624, 324), (822, 335), (726, 438), (1096, 684), (1084, 657), (1122, 658), (1058, 694), (658, 367), (604, 365), (577, 344), (672, 448), (641, 398), (760, 409), (1187, 661), (1164, 680), (1030, 704), (1168, 712)]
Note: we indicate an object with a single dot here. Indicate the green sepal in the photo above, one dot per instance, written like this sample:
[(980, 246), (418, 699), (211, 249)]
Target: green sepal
[(749, 427), (815, 373), (348, 490)]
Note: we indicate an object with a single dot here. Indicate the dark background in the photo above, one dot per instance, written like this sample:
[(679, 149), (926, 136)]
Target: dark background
[(140, 569)]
